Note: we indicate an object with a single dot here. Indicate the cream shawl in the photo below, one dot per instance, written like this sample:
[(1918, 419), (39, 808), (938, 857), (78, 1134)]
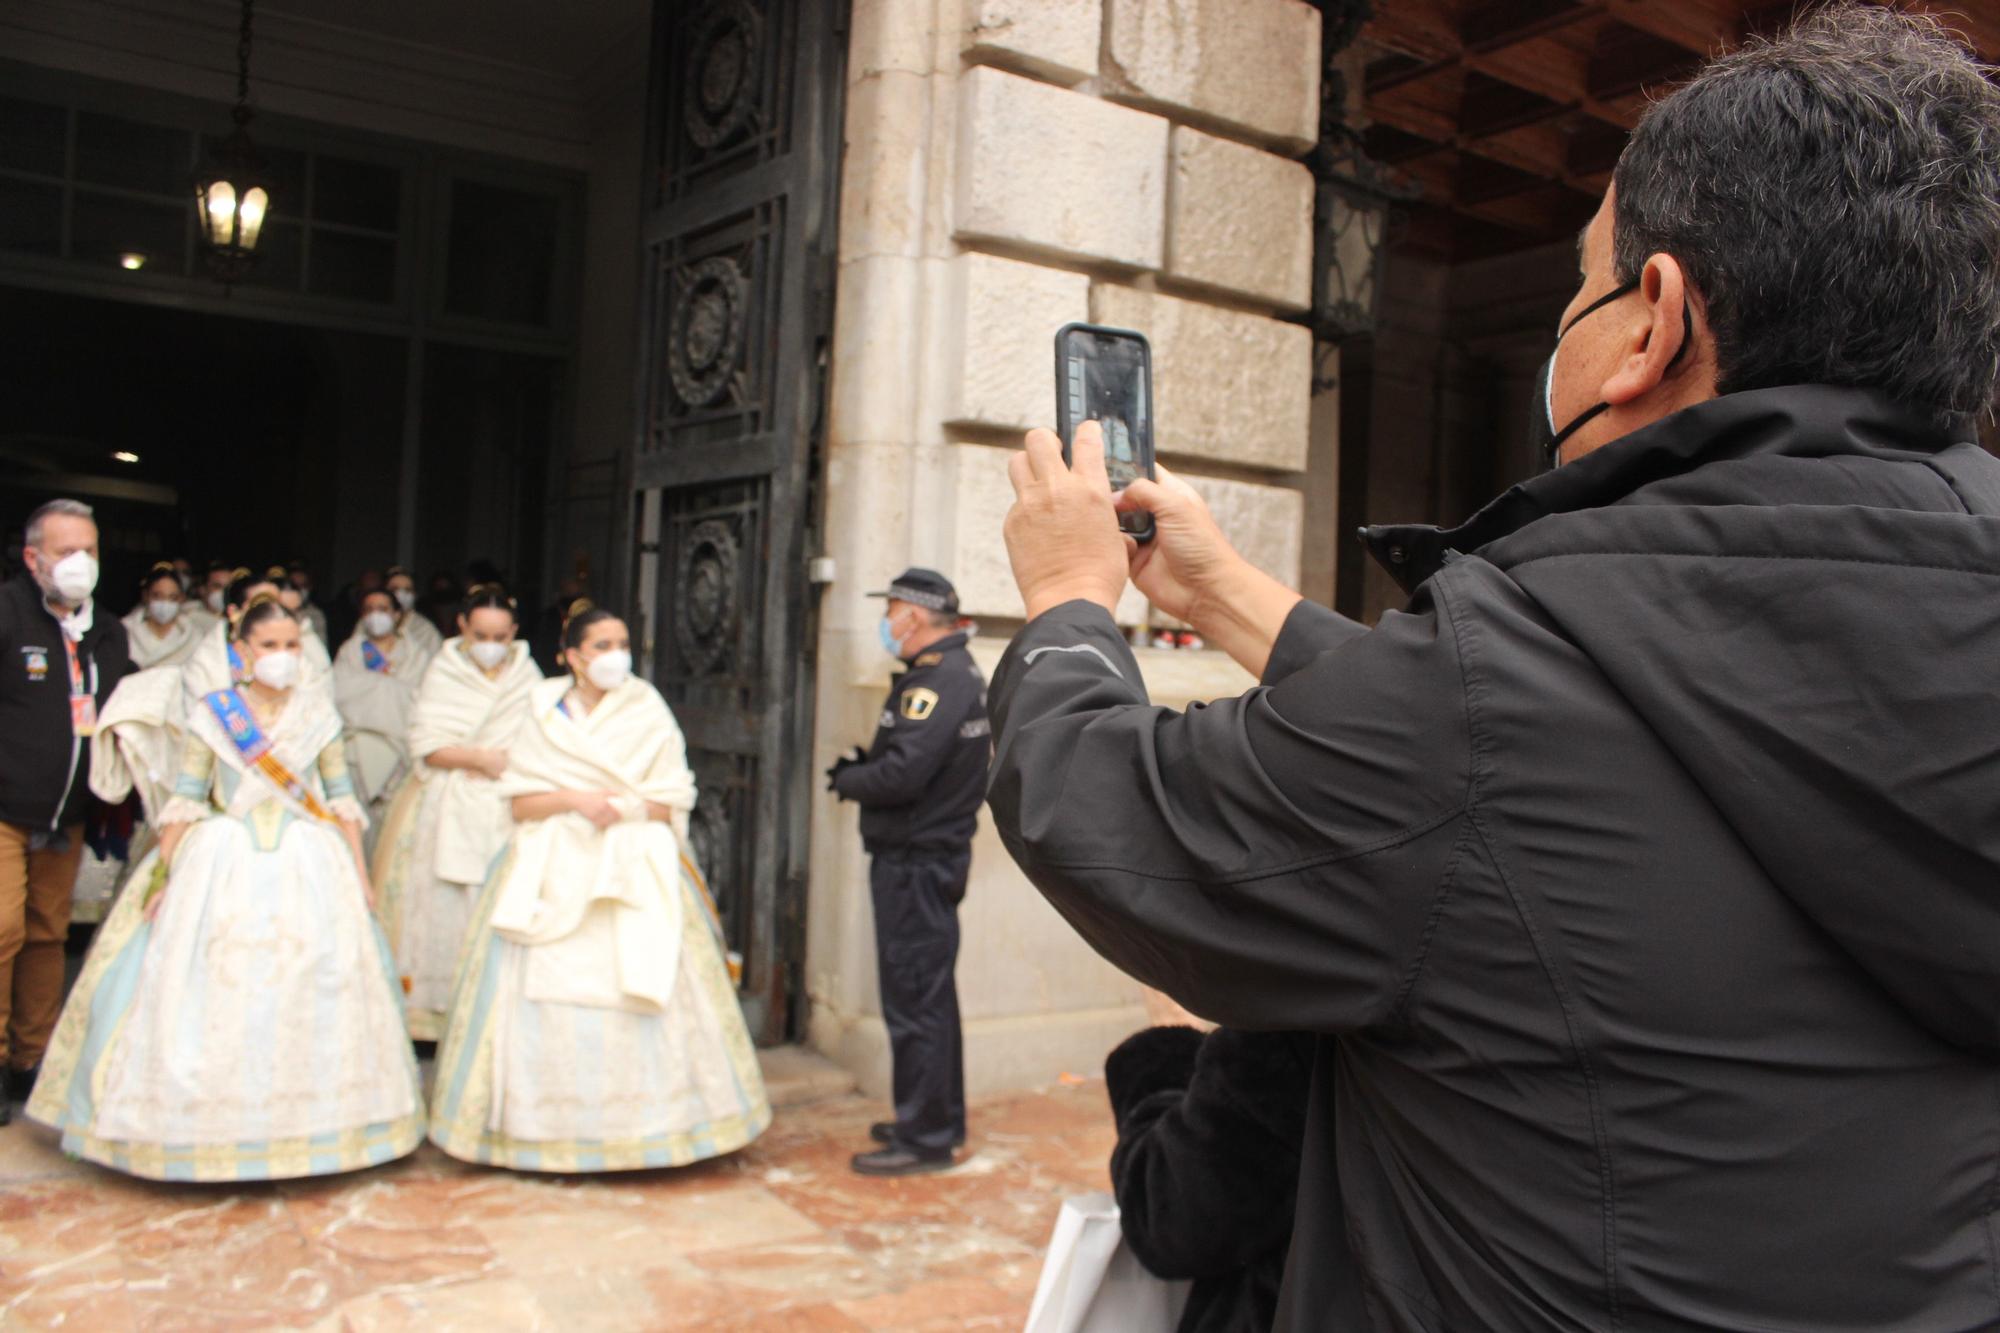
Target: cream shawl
[(458, 704), (582, 896), (139, 736), (375, 710), (183, 636)]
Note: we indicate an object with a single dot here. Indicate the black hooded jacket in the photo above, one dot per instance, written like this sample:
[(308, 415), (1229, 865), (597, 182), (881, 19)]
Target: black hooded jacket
[(44, 765), (1642, 878)]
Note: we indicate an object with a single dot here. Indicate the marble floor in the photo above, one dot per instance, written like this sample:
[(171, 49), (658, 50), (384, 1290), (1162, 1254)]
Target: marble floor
[(781, 1236)]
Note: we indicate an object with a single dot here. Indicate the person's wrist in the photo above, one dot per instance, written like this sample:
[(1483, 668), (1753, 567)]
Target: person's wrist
[(1050, 596), (1218, 598)]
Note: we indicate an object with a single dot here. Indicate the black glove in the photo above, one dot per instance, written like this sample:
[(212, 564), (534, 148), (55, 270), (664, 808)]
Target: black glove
[(844, 762)]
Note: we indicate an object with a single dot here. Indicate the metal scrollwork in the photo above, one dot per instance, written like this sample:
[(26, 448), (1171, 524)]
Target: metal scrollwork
[(721, 73), (705, 335), (706, 608), (709, 833)]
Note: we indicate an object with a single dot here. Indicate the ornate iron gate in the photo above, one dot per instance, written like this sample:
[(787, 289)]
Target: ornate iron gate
[(742, 167)]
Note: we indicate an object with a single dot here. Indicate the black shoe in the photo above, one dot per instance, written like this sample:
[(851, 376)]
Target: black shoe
[(884, 1131), (896, 1160), (21, 1082)]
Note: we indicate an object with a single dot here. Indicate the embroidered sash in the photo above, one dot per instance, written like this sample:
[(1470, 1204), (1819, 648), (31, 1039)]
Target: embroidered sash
[(255, 749)]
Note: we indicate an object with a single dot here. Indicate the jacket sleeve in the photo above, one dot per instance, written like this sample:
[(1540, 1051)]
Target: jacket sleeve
[(1270, 861), (902, 764), (1206, 1172)]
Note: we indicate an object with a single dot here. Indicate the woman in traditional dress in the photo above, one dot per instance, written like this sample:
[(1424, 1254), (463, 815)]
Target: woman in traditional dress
[(162, 629), (594, 1025), (448, 820), (375, 678), (411, 622), (237, 1018), (215, 663)]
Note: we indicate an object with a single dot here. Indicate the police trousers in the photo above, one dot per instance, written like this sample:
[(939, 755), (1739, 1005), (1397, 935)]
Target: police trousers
[(917, 892)]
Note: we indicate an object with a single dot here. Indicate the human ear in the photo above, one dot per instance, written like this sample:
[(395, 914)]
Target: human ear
[(1650, 345)]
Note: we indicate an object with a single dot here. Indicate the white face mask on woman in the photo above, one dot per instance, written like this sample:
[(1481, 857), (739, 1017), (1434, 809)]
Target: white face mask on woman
[(214, 598), (277, 671), (489, 655), (378, 624), (607, 671), (163, 610), (405, 597)]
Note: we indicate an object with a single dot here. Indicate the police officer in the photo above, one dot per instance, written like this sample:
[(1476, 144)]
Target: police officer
[(919, 787)]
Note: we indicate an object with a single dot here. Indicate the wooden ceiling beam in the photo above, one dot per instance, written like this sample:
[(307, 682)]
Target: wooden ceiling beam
[(1700, 27), (1503, 23), (1545, 67), (1428, 109), (1542, 149), (1427, 29), (1542, 214)]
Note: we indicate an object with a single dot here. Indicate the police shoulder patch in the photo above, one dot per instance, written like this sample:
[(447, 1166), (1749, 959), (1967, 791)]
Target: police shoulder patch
[(929, 659), (919, 703)]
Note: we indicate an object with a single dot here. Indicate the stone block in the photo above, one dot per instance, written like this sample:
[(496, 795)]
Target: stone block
[(1055, 40), (884, 166), (1251, 66), (1240, 219), (1006, 314), (979, 568), (888, 35), (1227, 386), (1059, 172)]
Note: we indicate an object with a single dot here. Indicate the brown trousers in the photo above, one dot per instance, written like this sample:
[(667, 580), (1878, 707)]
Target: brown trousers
[(35, 889)]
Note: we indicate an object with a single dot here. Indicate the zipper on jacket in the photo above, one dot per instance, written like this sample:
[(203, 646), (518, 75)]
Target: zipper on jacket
[(75, 746)]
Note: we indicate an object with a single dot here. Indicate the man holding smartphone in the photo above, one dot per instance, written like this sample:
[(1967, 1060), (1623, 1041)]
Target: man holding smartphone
[(1641, 879), (919, 786)]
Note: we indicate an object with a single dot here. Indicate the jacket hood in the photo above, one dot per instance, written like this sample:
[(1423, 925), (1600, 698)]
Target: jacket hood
[(1798, 589)]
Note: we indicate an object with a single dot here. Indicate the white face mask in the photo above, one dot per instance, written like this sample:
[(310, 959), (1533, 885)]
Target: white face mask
[(277, 671), (405, 598), (214, 598), (163, 611), (489, 655), (378, 624), (607, 671), (74, 577)]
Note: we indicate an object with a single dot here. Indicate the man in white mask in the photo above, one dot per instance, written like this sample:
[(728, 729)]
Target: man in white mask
[(59, 662)]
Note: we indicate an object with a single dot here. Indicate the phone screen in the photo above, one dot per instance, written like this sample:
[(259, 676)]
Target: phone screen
[(1105, 377)]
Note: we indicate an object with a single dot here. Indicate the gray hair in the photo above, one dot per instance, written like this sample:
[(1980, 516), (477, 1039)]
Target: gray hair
[(1834, 196), (68, 508)]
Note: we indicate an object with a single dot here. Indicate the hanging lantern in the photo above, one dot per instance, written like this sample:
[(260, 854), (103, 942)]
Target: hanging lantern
[(231, 195)]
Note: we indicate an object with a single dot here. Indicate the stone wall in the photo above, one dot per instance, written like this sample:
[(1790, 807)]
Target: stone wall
[(1011, 166)]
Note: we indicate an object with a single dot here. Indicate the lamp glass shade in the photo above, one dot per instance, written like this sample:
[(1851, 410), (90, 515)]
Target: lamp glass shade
[(218, 211), (251, 215)]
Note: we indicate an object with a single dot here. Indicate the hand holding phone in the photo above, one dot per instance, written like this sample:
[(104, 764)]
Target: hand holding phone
[(1106, 375)]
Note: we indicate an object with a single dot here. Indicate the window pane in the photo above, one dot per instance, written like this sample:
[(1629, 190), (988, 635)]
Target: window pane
[(502, 253), (357, 194), (30, 217), (113, 151), (107, 227), (359, 268), (278, 247), (31, 137)]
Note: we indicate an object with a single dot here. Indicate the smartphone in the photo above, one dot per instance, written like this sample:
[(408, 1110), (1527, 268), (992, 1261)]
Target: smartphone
[(1106, 375)]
